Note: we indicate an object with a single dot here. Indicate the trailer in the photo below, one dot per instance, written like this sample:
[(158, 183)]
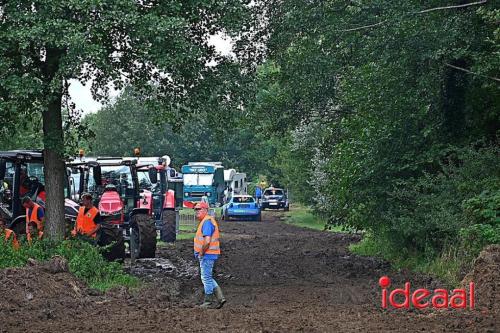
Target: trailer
[(235, 181)]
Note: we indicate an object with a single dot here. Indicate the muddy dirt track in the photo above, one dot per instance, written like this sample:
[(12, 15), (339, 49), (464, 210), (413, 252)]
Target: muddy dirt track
[(276, 277)]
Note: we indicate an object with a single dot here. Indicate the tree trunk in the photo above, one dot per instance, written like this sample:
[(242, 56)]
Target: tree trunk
[(54, 168), (53, 143)]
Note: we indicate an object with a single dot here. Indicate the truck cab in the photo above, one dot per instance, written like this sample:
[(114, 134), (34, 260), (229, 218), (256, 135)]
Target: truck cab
[(203, 180)]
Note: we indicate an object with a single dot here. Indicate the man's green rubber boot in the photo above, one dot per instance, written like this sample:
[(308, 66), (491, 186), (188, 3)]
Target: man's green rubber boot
[(208, 302), (220, 297)]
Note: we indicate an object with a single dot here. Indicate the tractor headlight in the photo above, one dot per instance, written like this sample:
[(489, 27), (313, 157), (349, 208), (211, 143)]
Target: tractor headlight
[(110, 213), (186, 194)]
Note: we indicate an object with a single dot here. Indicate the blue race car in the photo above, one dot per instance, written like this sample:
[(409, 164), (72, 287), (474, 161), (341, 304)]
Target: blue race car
[(241, 207)]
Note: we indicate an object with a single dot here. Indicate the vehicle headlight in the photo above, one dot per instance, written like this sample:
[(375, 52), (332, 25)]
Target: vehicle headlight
[(186, 194), (208, 194)]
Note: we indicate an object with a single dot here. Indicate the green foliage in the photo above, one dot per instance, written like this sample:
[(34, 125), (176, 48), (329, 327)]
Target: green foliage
[(447, 267), (237, 147), (483, 213), (162, 48), (391, 110), (84, 259)]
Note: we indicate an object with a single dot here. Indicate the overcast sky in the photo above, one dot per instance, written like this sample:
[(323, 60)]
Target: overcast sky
[(81, 96)]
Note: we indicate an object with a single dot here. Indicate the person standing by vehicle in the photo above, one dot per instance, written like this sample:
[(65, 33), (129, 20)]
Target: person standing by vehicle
[(258, 194), (207, 250), (88, 220), (34, 213), (226, 194)]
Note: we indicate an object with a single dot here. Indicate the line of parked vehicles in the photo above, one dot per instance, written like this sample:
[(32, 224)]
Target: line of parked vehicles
[(247, 207), (136, 196)]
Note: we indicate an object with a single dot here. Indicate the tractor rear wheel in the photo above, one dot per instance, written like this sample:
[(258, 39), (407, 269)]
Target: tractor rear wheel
[(112, 237), (142, 237), (167, 231)]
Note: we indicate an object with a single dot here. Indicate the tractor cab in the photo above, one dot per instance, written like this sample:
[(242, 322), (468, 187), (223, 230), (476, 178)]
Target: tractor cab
[(22, 174), (121, 198)]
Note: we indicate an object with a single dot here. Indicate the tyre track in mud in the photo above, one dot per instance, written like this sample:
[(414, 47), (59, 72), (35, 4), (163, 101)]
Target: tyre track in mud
[(276, 277)]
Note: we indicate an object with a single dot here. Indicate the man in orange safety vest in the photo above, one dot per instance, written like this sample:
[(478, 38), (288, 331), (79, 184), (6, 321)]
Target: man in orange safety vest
[(34, 213), (88, 219), (207, 250)]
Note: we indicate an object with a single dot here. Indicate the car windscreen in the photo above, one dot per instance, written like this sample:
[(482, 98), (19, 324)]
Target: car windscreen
[(243, 200), (120, 176), (198, 179), (273, 192)]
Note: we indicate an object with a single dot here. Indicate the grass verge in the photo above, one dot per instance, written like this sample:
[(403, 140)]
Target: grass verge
[(446, 267), (84, 259), (303, 217)]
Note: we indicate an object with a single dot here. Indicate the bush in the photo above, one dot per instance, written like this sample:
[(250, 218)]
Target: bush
[(84, 259), (483, 212), (437, 222)]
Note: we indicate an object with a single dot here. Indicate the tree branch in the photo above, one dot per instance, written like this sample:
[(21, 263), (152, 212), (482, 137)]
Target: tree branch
[(469, 72)]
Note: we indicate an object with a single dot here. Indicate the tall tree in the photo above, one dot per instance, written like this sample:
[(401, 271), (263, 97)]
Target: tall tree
[(382, 98), (236, 144), (161, 46)]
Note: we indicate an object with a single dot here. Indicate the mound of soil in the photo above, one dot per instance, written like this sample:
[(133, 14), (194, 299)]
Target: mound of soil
[(41, 289), (486, 277)]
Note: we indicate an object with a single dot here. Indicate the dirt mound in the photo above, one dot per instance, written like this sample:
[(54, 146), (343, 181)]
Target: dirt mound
[(486, 277), (41, 288)]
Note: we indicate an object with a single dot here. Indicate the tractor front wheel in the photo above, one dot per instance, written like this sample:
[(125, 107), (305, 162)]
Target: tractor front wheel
[(142, 237)]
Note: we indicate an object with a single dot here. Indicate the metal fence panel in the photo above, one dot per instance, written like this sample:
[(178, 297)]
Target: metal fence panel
[(187, 220)]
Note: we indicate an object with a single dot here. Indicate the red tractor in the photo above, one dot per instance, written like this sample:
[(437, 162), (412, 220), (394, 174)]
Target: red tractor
[(122, 196), (167, 193), (21, 175)]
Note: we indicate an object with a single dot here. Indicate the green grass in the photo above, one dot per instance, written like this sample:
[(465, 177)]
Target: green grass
[(445, 267), (303, 217), (185, 235), (84, 259)]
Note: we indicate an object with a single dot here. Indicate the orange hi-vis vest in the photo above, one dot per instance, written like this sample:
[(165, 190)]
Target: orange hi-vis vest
[(34, 217), (214, 246), (8, 234), (85, 221)]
